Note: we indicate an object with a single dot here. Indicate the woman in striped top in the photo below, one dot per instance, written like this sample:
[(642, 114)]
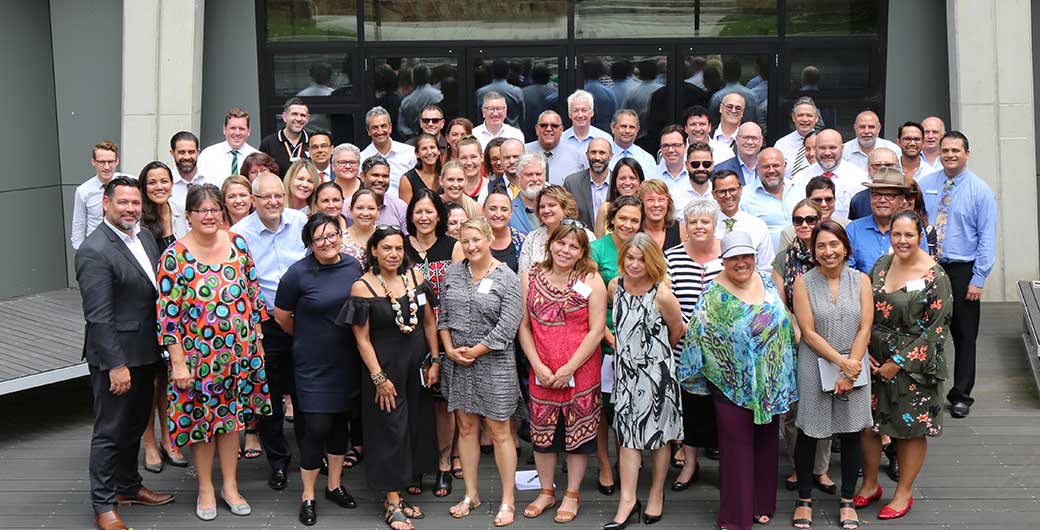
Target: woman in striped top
[(692, 265)]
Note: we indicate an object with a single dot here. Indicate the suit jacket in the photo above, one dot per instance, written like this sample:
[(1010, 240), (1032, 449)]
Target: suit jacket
[(578, 185), (119, 301), (732, 164)]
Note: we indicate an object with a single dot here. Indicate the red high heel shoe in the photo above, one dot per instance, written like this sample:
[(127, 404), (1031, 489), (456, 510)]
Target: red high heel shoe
[(889, 513), (862, 502)]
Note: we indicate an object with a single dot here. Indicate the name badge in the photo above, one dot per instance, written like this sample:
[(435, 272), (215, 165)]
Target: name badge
[(915, 285), (485, 286), (420, 299), (931, 192), (582, 289)]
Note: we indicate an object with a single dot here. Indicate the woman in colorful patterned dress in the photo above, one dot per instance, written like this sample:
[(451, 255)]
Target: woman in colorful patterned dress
[(563, 323), (913, 303), (647, 410), (741, 340), (210, 311)]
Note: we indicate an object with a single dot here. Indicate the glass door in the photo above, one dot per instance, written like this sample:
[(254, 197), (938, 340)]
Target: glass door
[(405, 80), (710, 73)]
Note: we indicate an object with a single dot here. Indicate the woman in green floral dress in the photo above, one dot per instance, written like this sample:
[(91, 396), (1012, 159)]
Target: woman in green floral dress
[(912, 307)]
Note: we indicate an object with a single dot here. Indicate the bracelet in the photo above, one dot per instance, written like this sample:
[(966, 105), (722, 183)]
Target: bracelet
[(436, 360), (379, 378)]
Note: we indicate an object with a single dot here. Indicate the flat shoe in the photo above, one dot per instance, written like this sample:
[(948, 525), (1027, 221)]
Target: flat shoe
[(308, 512), (862, 502), (829, 489), (242, 509), (790, 485), (533, 510), (206, 514), (563, 517)]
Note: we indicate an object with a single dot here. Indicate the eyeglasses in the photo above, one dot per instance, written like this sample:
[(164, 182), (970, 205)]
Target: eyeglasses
[(888, 196), (431, 120), (208, 211), (697, 164), (883, 165), (551, 125), (727, 191), (574, 222), (328, 238), (346, 163), (822, 200), (271, 197), (810, 220), (671, 146), (105, 163), (495, 109), (912, 139), (733, 108), (321, 146)]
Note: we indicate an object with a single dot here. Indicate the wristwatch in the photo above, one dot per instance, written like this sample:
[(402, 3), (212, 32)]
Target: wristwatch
[(436, 360)]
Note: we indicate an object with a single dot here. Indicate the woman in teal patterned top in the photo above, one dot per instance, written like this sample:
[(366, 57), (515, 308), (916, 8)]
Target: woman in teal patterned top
[(741, 340)]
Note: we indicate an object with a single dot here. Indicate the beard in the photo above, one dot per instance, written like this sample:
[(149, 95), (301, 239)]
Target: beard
[(598, 166), (699, 177), (186, 166), (531, 192), (827, 165)]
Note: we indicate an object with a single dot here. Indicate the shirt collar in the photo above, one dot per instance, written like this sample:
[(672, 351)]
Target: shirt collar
[(131, 238), (606, 181)]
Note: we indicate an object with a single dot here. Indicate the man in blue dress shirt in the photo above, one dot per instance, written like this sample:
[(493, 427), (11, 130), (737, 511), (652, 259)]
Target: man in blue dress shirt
[(273, 233), (963, 210), (871, 235)]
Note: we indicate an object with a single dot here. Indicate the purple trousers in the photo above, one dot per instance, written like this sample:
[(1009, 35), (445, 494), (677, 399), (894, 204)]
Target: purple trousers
[(749, 456)]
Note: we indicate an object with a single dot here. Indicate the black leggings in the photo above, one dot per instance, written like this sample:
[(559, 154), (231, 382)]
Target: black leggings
[(805, 454), (325, 432)]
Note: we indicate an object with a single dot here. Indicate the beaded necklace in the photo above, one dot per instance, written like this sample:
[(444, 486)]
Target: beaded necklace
[(413, 308)]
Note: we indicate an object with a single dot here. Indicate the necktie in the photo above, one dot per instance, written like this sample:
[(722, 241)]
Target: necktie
[(942, 216), (729, 224), (800, 162), (548, 160), (828, 174), (234, 161)]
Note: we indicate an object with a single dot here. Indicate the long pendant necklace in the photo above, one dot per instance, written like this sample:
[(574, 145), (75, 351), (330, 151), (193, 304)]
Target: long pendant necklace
[(413, 308)]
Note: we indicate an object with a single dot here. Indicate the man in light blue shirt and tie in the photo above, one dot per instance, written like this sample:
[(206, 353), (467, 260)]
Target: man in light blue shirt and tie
[(963, 210), (625, 127)]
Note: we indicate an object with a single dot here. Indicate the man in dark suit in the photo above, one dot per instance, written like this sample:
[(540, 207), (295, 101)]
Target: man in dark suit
[(115, 268), (749, 144), (591, 186)]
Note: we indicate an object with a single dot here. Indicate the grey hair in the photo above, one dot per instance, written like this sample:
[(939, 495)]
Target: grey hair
[(373, 161), (492, 95), (264, 178), (873, 154), (549, 112), (527, 158), (805, 100), (701, 208), (346, 147), (377, 111), (579, 96), (622, 112)]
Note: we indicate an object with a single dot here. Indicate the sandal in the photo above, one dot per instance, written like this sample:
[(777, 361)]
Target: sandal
[(563, 517), (508, 510), (533, 510), (847, 524), (442, 487), (412, 511), (250, 453), (395, 515), (456, 471), (416, 487), (465, 507), (352, 458), (763, 519), (805, 523)]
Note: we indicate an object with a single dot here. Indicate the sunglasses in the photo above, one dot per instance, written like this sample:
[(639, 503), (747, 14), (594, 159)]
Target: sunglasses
[(390, 228), (697, 164), (574, 222), (431, 120), (810, 220)]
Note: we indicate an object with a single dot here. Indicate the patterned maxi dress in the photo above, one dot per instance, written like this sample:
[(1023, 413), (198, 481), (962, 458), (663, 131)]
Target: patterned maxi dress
[(559, 322), (211, 310), (910, 328), (647, 411)]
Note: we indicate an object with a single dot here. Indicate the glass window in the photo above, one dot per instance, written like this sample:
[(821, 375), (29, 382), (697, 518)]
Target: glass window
[(636, 82), (307, 20), (602, 19), (317, 74), (529, 85), (832, 17), (829, 70), (451, 20), (709, 77), (338, 121), (405, 85), (834, 114)]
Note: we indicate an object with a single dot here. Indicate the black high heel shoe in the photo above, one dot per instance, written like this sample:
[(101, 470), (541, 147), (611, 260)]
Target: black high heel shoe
[(651, 519), (637, 508)]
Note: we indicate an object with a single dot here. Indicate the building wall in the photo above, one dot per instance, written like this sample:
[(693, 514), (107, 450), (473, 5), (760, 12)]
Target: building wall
[(229, 67), (917, 77), (33, 259), (84, 29)]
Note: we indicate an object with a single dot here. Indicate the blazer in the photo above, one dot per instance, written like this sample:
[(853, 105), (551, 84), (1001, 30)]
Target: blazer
[(119, 301), (732, 164), (578, 185)]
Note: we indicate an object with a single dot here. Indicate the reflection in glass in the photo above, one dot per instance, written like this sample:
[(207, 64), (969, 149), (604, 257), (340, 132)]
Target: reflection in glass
[(838, 114), (832, 17), (308, 20), (599, 19), (527, 83), (636, 82), (419, 82), (828, 70), (336, 121), (449, 20), (716, 76), (312, 75)]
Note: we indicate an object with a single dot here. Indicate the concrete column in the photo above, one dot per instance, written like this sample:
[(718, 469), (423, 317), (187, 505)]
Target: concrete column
[(162, 76), (991, 101)]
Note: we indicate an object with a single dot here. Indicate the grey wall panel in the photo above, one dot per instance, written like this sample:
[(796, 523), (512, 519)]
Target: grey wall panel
[(87, 38), (917, 79), (229, 67), (33, 259)]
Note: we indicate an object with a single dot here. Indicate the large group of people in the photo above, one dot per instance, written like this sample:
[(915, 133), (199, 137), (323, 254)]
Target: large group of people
[(413, 306)]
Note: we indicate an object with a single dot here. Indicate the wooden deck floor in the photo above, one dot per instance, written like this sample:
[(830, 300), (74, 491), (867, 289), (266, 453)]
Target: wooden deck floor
[(984, 473), (41, 340)]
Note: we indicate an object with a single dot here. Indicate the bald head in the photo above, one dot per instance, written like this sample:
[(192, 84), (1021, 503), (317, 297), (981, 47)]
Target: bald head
[(749, 141), (828, 149), (771, 168), (510, 152), (934, 129), (731, 109), (867, 127), (599, 154)]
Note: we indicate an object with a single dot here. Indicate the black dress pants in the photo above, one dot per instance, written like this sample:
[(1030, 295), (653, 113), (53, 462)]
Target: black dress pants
[(119, 422), (964, 328), (280, 382)]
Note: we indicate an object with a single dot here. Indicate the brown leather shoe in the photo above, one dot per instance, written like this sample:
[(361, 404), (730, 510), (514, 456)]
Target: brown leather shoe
[(110, 521), (145, 497)]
